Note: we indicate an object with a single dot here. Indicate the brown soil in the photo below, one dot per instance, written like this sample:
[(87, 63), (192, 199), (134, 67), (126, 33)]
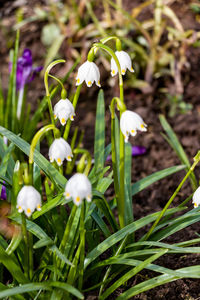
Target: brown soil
[(159, 154)]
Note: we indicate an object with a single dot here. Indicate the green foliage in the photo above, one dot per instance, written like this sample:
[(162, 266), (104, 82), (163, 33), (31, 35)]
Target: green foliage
[(64, 250)]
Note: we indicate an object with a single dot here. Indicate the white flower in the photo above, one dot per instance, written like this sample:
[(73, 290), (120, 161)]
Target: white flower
[(124, 61), (28, 200), (63, 110), (130, 122), (88, 72), (78, 187), (60, 150), (196, 198)]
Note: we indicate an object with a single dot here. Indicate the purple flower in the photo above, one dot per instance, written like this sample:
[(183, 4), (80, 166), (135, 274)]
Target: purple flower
[(3, 193), (136, 151), (25, 70)]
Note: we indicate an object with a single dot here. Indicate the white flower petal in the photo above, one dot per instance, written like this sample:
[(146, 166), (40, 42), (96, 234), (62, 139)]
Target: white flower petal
[(63, 110), (59, 150), (28, 199), (88, 72), (196, 198), (78, 187), (124, 61), (130, 122)]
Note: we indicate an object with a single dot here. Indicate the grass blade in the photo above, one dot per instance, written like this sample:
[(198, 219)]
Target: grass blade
[(39, 159), (99, 142), (175, 144), (145, 182)]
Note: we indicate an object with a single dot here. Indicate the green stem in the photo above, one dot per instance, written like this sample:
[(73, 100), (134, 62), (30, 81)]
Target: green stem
[(38, 136), (121, 201), (46, 75), (34, 142), (120, 204), (172, 198), (25, 237), (112, 54), (30, 240), (89, 159), (75, 101), (82, 241), (59, 81)]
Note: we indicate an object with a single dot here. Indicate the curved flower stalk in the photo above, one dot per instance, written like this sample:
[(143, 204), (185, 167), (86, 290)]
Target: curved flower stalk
[(60, 150), (78, 187), (88, 72), (28, 200), (63, 110), (196, 198), (124, 61), (130, 122)]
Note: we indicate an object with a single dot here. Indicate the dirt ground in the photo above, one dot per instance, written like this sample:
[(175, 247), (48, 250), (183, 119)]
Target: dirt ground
[(159, 155)]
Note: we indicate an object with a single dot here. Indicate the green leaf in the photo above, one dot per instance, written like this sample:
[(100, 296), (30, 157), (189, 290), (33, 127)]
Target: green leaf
[(175, 144), (189, 272), (145, 182), (128, 197), (11, 163), (102, 204), (39, 159), (118, 236), (99, 142), (5, 161), (11, 264), (131, 273)]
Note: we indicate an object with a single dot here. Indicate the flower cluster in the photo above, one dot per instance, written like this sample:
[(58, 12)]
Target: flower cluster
[(89, 72)]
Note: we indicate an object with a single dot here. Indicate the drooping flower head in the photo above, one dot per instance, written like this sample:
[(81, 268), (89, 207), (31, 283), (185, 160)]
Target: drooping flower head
[(78, 187), (63, 110), (28, 200), (196, 198), (124, 61), (60, 150), (130, 122), (25, 70), (89, 72)]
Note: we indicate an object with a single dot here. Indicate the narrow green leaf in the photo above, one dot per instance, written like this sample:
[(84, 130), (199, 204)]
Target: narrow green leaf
[(118, 236), (131, 273), (99, 142), (39, 159), (11, 163), (5, 160), (10, 262), (175, 144), (189, 272), (128, 197), (145, 182)]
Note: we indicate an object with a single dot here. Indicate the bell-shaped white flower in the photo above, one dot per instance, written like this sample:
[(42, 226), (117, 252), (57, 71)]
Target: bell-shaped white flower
[(88, 72), (60, 150), (78, 187), (196, 198), (63, 110), (124, 61), (28, 200), (130, 122)]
